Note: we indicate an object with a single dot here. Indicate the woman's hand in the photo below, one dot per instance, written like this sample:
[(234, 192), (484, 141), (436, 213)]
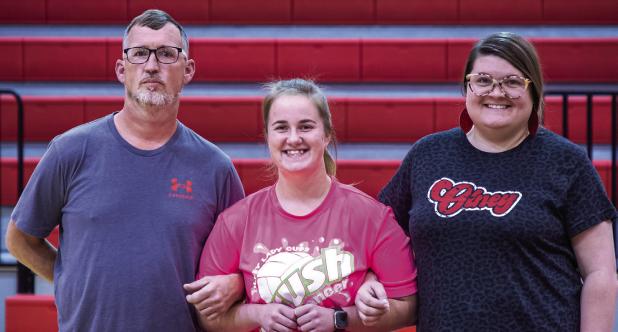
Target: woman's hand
[(277, 317), (311, 317), (371, 302)]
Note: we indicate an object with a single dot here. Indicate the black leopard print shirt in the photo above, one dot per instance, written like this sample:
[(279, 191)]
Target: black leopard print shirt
[(491, 231)]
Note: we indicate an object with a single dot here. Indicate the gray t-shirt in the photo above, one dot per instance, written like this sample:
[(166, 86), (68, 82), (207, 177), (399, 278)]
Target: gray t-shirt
[(132, 224)]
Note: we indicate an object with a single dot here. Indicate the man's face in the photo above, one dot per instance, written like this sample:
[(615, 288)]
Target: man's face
[(154, 84)]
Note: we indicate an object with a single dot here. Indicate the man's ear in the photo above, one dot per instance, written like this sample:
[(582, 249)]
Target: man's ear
[(120, 70), (189, 71)]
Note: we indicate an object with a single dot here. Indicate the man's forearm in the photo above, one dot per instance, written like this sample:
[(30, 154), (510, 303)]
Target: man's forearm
[(35, 253), (240, 317)]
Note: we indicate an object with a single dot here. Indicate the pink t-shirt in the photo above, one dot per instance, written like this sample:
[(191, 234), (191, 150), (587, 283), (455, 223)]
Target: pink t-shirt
[(319, 258)]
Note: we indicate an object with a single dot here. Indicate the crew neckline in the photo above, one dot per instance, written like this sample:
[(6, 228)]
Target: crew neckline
[(469, 147), (131, 148), (321, 207)]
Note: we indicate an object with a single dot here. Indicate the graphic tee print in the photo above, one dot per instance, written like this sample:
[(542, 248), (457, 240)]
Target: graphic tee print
[(296, 277), (451, 198)]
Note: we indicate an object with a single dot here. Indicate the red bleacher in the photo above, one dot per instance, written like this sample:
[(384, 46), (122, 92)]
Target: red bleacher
[(355, 119), (328, 60), (315, 11)]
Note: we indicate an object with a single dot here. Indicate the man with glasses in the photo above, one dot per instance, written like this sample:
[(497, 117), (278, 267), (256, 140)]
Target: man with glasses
[(135, 194)]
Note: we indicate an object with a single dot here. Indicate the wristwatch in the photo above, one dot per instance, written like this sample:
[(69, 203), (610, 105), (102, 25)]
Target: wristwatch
[(341, 320)]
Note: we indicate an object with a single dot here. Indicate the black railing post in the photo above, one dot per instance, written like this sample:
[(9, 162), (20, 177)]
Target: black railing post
[(614, 194), (25, 277), (589, 125), (613, 152), (565, 115)]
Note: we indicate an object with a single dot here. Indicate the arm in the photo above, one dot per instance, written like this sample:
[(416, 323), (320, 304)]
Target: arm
[(214, 295), (402, 312), (311, 317), (35, 253), (371, 300), (594, 251), (246, 317)]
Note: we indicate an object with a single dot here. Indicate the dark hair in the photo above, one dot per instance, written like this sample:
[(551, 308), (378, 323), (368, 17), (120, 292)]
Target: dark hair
[(156, 19), (310, 90), (520, 53)]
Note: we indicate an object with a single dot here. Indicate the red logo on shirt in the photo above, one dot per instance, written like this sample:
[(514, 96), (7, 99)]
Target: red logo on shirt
[(182, 190), (451, 198)]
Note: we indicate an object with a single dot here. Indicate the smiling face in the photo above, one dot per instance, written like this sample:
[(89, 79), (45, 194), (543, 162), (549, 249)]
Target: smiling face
[(295, 135), (153, 83), (495, 111)]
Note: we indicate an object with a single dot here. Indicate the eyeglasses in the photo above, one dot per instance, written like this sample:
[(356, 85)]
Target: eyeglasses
[(164, 54), (511, 86)]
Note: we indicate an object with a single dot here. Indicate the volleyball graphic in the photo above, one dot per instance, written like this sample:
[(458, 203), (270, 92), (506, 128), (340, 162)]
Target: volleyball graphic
[(272, 277)]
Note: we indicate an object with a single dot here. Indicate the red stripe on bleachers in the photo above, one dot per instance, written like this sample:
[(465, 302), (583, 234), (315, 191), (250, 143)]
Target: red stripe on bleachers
[(85, 11), (417, 12), (483, 12), (367, 175), (327, 60), (64, 59), (246, 11), (404, 60), (23, 11), (233, 59), (578, 60), (389, 120), (12, 60), (185, 11), (8, 175), (580, 12), (237, 121), (356, 119), (317, 11), (333, 12)]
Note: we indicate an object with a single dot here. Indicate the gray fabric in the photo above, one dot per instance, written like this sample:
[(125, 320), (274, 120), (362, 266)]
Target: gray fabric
[(129, 238)]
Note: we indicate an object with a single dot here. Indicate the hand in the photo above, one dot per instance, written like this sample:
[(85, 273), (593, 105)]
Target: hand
[(277, 317), (371, 302), (311, 317), (212, 296)]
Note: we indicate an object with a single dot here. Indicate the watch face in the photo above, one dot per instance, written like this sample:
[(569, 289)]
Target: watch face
[(341, 319)]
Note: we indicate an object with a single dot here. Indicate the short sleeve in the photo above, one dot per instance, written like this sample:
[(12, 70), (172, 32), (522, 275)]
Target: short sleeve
[(232, 190), (221, 253), (587, 203), (392, 259), (39, 208), (397, 193)]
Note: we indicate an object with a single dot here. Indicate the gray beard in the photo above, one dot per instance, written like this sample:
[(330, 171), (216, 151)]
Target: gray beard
[(153, 98)]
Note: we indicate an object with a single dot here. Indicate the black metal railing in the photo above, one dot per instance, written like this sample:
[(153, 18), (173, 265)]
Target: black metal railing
[(589, 138), (589, 95), (25, 277)]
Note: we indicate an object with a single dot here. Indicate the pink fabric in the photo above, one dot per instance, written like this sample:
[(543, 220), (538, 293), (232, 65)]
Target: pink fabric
[(321, 258)]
